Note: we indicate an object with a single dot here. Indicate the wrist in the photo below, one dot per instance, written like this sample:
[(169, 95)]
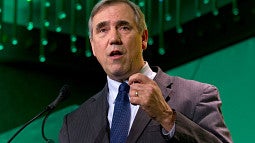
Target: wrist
[(168, 119)]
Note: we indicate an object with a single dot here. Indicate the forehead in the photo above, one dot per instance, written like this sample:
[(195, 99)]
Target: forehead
[(114, 12)]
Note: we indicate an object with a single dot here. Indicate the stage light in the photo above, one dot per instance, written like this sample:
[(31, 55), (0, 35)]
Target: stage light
[(141, 3), (14, 41), (168, 16), (161, 51), (61, 15), (178, 17), (198, 8), (161, 27), (58, 29), (73, 41), (88, 53), (42, 59), (44, 42), (66, 21), (88, 9), (214, 8), (206, 1), (150, 41), (73, 37), (30, 24), (15, 17), (1, 47), (47, 4), (73, 48), (1, 20), (44, 24), (78, 6), (149, 21), (235, 9)]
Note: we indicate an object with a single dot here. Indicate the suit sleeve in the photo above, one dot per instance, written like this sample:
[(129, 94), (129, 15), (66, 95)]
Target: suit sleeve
[(207, 124)]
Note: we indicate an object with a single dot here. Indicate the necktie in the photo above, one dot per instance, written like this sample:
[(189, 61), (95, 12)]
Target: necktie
[(121, 116)]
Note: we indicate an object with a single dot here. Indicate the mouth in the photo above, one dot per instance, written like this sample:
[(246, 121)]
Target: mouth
[(116, 53)]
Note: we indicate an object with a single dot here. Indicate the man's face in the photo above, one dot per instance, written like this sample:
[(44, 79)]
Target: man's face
[(116, 42)]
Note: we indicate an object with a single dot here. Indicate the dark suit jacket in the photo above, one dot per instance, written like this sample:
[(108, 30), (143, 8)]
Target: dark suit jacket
[(198, 118)]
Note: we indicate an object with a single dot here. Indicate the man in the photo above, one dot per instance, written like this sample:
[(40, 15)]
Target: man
[(163, 108)]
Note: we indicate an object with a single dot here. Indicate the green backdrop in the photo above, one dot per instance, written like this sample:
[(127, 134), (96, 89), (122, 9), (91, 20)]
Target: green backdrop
[(232, 70)]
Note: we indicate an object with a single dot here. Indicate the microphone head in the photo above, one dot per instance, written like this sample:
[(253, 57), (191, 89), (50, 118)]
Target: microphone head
[(63, 94)]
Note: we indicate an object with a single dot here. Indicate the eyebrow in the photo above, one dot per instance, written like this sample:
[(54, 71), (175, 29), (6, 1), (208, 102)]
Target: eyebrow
[(101, 24), (122, 22), (104, 23)]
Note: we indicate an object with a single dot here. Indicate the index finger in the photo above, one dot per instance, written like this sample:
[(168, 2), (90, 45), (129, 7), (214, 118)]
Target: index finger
[(138, 78)]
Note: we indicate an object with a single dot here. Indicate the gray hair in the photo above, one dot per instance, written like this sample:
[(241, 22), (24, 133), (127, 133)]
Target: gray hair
[(139, 16)]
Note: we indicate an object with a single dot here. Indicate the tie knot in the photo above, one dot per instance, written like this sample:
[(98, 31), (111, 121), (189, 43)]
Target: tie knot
[(124, 87)]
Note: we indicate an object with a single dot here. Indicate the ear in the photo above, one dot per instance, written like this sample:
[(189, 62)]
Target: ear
[(92, 46), (144, 39)]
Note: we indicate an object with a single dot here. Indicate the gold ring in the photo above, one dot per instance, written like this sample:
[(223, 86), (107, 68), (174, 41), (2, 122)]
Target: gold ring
[(136, 93)]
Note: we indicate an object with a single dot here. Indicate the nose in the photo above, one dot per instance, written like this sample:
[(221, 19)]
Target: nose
[(115, 38)]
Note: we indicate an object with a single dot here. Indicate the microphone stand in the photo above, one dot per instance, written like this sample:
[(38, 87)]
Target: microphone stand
[(64, 93), (43, 133), (27, 123)]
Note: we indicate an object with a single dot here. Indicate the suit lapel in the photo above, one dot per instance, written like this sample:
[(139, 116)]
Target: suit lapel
[(139, 124), (99, 111)]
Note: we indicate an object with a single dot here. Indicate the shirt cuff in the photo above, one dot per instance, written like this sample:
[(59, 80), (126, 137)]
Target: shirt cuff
[(170, 134)]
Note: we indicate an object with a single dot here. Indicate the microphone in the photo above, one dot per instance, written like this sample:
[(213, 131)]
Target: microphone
[(63, 94)]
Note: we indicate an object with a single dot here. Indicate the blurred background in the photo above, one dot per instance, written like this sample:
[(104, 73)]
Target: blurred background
[(44, 45)]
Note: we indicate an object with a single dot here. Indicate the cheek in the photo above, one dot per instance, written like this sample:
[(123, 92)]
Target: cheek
[(97, 52), (92, 46), (96, 48)]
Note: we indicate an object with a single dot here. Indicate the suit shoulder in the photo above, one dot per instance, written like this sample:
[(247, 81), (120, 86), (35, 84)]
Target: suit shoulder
[(180, 82), (85, 106)]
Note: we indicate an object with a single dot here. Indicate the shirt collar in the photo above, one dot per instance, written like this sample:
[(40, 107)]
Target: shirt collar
[(114, 85)]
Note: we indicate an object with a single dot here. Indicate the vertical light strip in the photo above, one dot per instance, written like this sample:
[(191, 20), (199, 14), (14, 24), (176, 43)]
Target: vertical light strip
[(168, 16), (206, 1), (214, 8), (14, 38), (198, 8), (78, 5), (60, 15), (89, 5), (161, 49), (178, 17), (44, 23), (1, 22), (30, 24), (75, 6), (73, 37), (141, 4), (235, 9), (149, 21)]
